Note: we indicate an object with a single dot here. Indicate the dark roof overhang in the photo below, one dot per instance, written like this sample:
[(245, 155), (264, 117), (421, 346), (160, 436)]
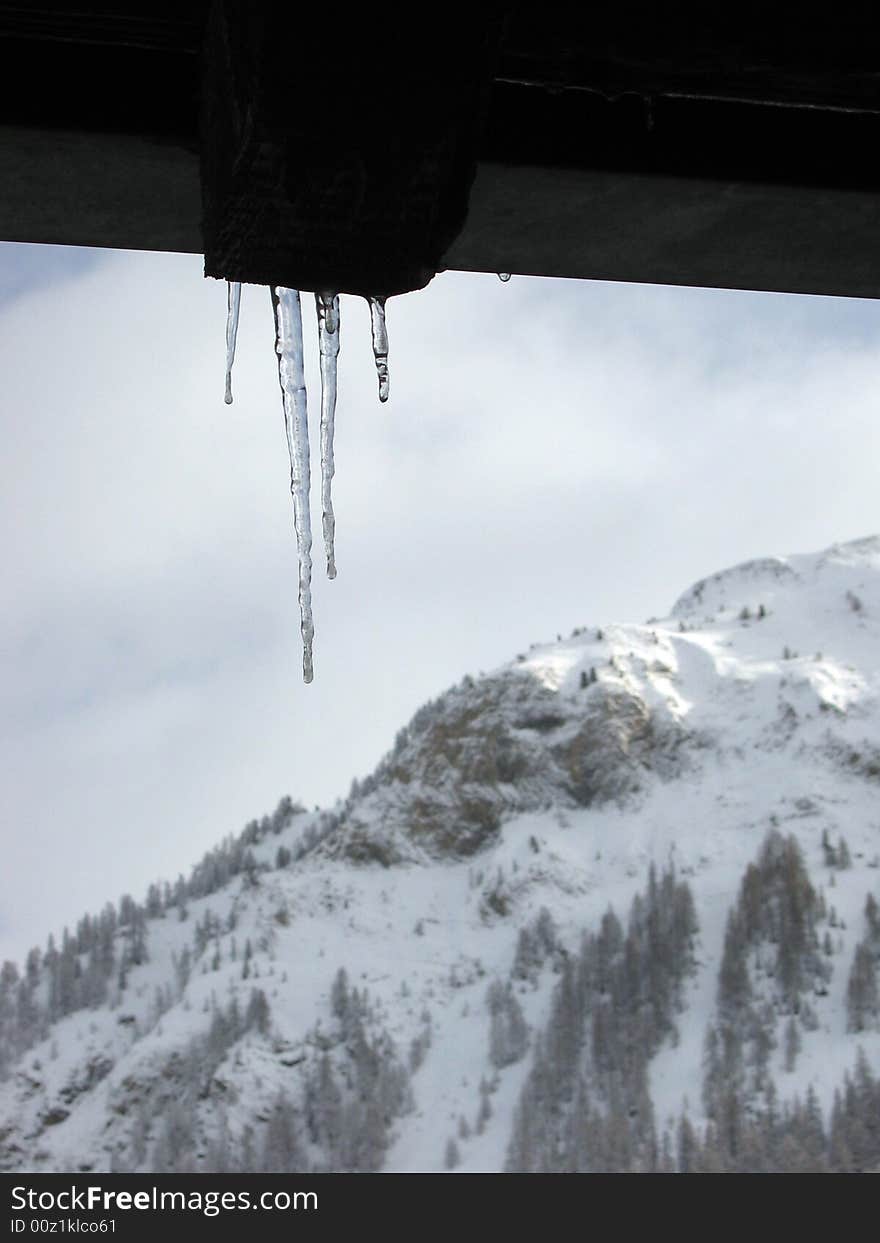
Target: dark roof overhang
[(713, 152)]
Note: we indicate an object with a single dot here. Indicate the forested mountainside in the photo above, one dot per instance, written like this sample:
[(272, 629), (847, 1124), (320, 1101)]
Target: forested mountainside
[(612, 906)]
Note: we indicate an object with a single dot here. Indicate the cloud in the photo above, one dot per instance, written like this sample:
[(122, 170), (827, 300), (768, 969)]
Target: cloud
[(553, 453), (24, 268)]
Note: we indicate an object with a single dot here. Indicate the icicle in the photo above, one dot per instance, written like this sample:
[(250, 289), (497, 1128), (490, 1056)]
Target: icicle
[(380, 344), (327, 307), (504, 276), (289, 347), (233, 302)]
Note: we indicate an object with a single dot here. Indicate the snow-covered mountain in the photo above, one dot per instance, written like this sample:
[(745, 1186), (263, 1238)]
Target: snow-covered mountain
[(611, 905)]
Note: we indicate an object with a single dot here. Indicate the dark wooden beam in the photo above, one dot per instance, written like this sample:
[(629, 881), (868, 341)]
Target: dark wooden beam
[(683, 153)]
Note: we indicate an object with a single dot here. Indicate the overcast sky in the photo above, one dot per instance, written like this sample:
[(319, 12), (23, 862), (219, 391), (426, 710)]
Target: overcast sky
[(554, 454)]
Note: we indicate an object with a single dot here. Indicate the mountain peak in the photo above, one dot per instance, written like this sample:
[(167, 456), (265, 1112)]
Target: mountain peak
[(738, 585), (753, 582), (604, 823)]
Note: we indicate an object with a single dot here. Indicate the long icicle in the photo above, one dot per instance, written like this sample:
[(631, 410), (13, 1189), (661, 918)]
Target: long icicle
[(233, 302), (380, 344), (291, 375), (327, 307)]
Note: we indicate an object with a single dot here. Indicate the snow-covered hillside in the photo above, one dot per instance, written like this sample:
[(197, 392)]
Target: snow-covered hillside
[(427, 977)]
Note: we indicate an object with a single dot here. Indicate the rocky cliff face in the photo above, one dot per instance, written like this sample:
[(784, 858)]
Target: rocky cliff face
[(511, 742)]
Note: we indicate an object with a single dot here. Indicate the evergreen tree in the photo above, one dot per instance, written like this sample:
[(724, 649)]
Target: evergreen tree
[(862, 1002), (508, 1033), (792, 1043), (281, 1147), (220, 1158), (174, 1149), (688, 1146)]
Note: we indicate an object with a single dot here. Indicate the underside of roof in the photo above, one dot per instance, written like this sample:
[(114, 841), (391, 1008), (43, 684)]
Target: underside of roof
[(720, 152)]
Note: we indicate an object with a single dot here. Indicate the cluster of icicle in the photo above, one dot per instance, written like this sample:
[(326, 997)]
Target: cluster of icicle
[(287, 310)]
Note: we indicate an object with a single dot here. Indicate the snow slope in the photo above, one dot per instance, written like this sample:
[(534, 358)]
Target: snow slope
[(552, 782)]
